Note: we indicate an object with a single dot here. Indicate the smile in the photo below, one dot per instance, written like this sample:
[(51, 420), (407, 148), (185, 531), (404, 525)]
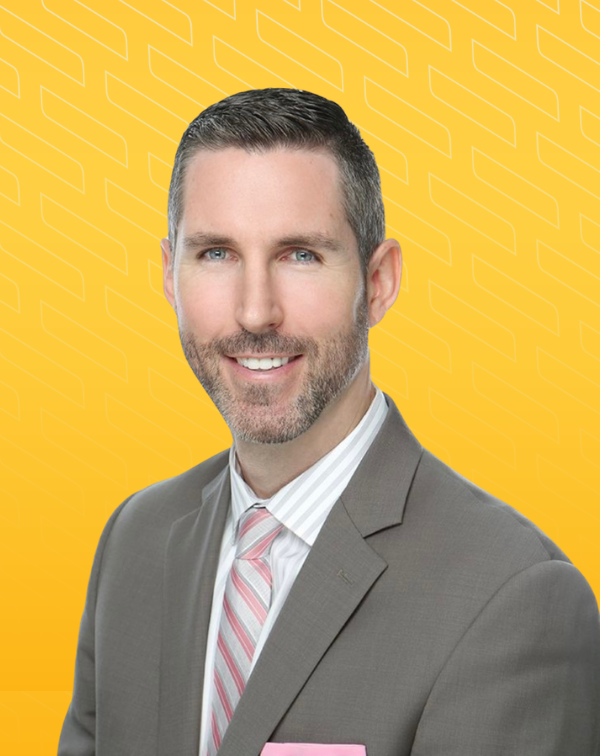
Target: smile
[(263, 363)]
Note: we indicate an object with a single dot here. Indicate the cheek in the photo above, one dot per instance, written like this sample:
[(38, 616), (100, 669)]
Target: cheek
[(319, 309), (204, 308)]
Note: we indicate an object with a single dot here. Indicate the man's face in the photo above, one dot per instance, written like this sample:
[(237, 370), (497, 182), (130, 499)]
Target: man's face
[(268, 288)]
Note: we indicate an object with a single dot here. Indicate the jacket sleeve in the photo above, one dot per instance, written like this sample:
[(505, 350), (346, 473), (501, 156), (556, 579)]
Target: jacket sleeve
[(525, 677), (78, 736)]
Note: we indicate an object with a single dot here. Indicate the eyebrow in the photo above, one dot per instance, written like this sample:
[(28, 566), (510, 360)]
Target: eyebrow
[(320, 241), (201, 239), (314, 240)]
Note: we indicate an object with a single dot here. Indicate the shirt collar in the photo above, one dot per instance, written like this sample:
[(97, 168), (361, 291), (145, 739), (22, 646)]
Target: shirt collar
[(324, 478)]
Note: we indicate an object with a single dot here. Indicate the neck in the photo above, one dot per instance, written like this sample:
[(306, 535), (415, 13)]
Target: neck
[(268, 467)]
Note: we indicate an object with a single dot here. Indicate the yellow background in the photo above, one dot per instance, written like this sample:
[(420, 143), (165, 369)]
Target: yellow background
[(485, 120)]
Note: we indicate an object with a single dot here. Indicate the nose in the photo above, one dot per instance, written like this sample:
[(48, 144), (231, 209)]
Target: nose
[(259, 305)]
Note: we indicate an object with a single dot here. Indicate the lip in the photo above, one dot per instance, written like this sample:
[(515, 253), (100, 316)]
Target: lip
[(264, 375), (260, 356)]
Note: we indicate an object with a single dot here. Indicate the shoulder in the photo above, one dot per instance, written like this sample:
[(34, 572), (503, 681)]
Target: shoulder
[(146, 517), (464, 510), (461, 558), (175, 497), (462, 544)]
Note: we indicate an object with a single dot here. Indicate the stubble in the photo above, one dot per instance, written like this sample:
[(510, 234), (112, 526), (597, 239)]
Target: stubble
[(257, 413)]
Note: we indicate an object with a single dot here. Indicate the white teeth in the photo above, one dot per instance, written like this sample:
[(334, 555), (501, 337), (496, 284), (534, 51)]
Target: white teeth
[(264, 363)]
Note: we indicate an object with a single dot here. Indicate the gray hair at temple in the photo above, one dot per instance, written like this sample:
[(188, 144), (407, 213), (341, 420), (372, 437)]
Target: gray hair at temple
[(263, 119)]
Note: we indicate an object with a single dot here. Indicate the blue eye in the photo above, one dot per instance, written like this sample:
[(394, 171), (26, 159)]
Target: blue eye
[(215, 254), (303, 255)]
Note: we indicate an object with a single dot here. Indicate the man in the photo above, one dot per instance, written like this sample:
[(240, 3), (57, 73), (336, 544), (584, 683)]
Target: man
[(327, 580)]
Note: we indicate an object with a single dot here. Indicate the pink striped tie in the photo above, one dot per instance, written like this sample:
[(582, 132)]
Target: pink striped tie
[(245, 606)]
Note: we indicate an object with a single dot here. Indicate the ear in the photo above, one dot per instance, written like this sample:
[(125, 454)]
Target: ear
[(384, 273), (167, 262)]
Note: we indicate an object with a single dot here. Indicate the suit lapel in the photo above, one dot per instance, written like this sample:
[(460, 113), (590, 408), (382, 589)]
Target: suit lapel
[(338, 572), (191, 563), (376, 495)]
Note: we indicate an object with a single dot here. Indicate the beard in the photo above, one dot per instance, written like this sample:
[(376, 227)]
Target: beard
[(253, 412)]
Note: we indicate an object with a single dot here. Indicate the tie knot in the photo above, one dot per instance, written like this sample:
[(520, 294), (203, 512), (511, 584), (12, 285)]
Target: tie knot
[(258, 530)]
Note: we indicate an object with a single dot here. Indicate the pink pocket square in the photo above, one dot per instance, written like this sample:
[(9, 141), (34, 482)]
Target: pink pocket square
[(312, 749)]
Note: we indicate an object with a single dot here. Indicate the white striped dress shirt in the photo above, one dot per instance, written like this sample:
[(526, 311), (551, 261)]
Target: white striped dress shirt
[(302, 506)]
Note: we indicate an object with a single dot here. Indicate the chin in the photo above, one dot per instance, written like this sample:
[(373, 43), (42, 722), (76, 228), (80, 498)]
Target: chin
[(264, 425)]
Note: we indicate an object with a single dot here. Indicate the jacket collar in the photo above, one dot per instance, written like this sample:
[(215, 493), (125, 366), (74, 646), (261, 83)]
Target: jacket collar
[(384, 476)]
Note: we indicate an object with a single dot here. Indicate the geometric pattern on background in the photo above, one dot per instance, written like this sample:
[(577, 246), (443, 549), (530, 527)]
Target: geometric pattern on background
[(484, 117)]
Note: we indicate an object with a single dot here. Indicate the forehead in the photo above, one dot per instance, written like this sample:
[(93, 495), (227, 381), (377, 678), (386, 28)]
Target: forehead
[(317, 164), (278, 187)]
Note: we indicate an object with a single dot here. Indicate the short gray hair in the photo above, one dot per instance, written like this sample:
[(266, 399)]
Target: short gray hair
[(263, 119)]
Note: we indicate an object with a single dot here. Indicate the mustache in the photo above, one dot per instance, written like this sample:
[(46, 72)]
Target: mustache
[(268, 342)]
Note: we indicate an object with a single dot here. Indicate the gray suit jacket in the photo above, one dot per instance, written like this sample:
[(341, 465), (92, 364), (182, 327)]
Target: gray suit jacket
[(429, 619)]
